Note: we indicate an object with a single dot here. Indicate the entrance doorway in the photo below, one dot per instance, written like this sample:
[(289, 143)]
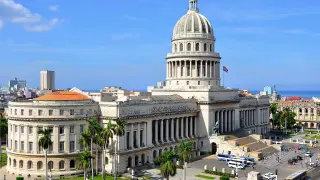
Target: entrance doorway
[(213, 148)]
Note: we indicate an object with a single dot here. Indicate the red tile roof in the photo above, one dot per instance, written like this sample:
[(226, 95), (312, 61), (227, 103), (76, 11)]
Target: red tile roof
[(62, 96)]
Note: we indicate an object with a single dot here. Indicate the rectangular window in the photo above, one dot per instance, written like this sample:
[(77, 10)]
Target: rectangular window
[(30, 146), (50, 112), (30, 130), (128, 140), (30, 112), (71, 112), (39, 112), (61, 113), (51, 148), (90, 112), (61, 146), (10, 111), (22, 129), (61, 130), (51, 129), (81, 128), (22, 112), (81, 147), (15, 145), (22, 146), (15, 111), (71, 146), (15, 128), (81, 112), (71, 129)]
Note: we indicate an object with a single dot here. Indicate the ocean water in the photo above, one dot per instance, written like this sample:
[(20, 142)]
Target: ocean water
[(303, 94)]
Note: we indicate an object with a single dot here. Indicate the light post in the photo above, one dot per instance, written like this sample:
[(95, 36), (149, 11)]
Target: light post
[(185, 171)]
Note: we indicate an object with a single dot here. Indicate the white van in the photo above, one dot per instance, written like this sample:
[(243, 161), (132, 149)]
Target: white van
[(233, 164)]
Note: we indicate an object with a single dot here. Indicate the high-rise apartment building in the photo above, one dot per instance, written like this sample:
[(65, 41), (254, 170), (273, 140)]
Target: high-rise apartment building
[(47, 80), (16, 84)]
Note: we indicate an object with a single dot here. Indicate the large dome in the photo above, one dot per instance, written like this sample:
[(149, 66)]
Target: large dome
[(193, 22)]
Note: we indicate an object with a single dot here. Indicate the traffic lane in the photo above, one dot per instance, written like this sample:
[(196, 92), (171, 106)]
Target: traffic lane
[(283, 171)]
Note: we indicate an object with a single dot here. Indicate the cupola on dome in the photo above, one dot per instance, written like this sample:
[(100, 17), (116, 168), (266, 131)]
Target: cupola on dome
[(193, 22)]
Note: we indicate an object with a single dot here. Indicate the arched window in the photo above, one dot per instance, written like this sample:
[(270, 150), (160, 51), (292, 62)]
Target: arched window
[(39, 165), (129, 161), (187, 82), (197, 47), (165, 149), (198, 82), (14, 163), (205, 47), (160, 152), (136, 160), (72, 164), (29, 165), (181, 47), (61, 165), (154, 154), (189, 47), (50, 165), (9, 161), (171, 148), (209, 83), (142, 159), (20, 164), (175, 48)]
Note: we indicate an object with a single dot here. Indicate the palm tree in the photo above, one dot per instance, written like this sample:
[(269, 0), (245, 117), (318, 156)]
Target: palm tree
[(104, 142), (85, 140), (84, 162), (3, 132), (185, 151), (168, 167), (93, 129), (273, 111), (288, 116), (118, 131), (45, 142)]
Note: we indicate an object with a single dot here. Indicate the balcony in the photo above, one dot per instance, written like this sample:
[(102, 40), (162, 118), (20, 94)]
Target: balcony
[(192, 53)]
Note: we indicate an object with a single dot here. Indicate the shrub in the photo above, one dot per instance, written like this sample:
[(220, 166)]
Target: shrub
[(179, 166), (19, 178), (224, 178), (219, 173)]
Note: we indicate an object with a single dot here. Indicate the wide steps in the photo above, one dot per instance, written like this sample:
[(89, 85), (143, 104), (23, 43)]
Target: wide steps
[(245, 141), (256, 146), (268, 151)]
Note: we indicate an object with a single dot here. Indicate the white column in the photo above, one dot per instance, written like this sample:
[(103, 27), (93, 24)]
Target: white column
[(172, 129), (196, 67), (220, 121), (167, 129), (138, 135), (67, 138), (190, 68), (144, 134), (191, 126), (214, 69), (161, 130), (206, 66), (201, 70), (148, 130), (187, 127), (185, 69), (234, 120), (55, 138), (210, 74), (230, 121), (156, 130), (18, 140), (177, 127), (182, 128), (195, 126), (132, 136)]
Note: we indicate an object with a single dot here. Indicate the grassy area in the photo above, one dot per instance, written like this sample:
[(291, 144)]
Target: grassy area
[(205, 177), (310, 131), (4, 159), (97, 178)]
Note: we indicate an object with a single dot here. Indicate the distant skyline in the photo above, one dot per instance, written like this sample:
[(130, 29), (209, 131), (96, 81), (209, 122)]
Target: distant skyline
[(124, 43)]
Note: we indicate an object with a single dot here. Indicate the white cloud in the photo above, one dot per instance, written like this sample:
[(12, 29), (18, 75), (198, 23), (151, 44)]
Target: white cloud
[(41, 27), (1, 24), (10, 11), (124, 36), (53, 8)]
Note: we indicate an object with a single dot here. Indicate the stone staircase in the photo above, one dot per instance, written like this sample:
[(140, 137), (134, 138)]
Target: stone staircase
[(269, 150)]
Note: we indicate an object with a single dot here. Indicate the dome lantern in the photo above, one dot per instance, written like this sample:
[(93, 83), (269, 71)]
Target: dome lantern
[(193, 6)]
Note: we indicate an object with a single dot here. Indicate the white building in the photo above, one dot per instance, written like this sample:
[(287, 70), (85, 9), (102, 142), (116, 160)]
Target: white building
[(47, 80), (192, 106)]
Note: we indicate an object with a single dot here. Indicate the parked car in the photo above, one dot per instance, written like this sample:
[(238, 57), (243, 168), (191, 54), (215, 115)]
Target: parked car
[(269, 176), (295, 160), (299, 158), (308, 154)]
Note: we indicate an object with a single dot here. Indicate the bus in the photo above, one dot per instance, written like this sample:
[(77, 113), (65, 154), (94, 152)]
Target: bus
[(233, 164), (238, 160), (299, 175), (224, 157), (250, 160)]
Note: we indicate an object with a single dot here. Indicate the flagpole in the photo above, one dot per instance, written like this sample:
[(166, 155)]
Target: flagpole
[(223, 77)]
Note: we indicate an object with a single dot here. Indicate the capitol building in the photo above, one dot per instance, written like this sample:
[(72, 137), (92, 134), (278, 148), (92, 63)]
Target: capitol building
[(191, 105)]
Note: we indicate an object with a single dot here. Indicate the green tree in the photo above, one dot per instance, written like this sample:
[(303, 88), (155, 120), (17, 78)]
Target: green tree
[(85, 140), (104, 141), (287, 117), (273, 111), (84, 162), (185, 151), (118, 131), (93, 131), (3, 132), (45, 142), (168, 167)]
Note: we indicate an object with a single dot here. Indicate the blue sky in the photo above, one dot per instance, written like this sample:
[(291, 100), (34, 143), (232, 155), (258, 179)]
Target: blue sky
[(91, 44)]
